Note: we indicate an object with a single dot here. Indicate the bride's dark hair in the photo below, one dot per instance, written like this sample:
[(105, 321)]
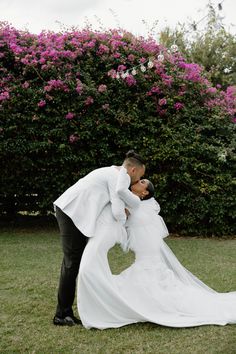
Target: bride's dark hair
[(150, 188), (133, 158)]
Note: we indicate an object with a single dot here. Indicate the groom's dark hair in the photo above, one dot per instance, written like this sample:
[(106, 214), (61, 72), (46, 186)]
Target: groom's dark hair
[(132, 158)]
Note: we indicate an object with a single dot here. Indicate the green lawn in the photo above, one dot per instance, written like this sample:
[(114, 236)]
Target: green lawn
[(30, 263)]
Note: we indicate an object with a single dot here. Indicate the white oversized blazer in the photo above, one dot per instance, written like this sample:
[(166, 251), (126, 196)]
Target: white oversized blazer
[(84, 201)]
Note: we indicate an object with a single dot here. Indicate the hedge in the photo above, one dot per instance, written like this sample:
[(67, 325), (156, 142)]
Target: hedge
[(71, 102)]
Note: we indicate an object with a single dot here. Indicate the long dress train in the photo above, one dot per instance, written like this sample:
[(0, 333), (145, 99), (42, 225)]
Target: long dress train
[(155, 288)]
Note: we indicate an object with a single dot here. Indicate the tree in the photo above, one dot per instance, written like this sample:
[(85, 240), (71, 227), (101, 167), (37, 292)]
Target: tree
[(213, 47)]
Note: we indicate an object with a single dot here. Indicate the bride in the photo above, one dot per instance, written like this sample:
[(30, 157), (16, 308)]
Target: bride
[(156, 287)]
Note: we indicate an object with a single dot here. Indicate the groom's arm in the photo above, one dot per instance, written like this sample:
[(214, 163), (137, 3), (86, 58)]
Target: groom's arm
[(118, 209), (122, 189), (120, 196), (117, 204)]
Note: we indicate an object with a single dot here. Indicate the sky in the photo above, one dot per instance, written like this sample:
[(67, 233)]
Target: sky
[(136, 16)]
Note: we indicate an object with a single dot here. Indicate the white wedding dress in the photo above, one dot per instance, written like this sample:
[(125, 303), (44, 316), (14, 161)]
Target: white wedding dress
[(155, 288)]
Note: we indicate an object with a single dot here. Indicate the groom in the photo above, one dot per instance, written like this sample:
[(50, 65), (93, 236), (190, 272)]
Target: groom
[(77, 210)]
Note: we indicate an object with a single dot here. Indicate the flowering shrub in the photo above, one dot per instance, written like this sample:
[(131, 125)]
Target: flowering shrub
[(68, 105)]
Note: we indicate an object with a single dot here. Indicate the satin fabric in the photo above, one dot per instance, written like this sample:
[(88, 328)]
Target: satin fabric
[(155, 288)]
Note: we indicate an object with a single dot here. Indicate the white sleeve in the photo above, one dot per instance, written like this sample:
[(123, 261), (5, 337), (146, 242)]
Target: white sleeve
[(118, 210), (122, 190), (117, 205), (157, 207)]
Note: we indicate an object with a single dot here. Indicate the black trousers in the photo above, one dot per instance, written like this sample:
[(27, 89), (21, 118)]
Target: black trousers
[(73, 244)]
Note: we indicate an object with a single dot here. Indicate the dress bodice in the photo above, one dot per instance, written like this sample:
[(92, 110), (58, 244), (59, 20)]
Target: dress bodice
[(145, 229), (145, 214)]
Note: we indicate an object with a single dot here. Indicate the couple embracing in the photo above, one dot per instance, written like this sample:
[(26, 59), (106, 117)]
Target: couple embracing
[(114, 205)]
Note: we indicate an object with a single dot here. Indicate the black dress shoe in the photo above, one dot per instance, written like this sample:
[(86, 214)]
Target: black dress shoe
[(67, 321), (76, 320)]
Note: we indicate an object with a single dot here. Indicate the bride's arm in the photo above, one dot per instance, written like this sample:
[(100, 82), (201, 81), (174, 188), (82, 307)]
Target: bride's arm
[(122, 190)]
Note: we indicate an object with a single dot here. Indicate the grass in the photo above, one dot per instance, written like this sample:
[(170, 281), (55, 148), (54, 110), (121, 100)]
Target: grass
[(30, 264)]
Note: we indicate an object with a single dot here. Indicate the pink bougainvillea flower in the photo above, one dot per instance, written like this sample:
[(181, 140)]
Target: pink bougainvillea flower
[(181, 92), (47, 88), (162, 101), (192, 72), (131, 57), (42, 61), (112, 73), (105, 106), (73, 138), (211, 90), (178, 106), (4, 96), (70, 115), (25, 85), (121, 68), (45, 67), (116, 55), (142, 60), (103, 49), (167, 79), (61, 59), (154, 90), (130, 80), (79, 87), (42, 103), (89, 100), (56, 85), (102, 88)]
